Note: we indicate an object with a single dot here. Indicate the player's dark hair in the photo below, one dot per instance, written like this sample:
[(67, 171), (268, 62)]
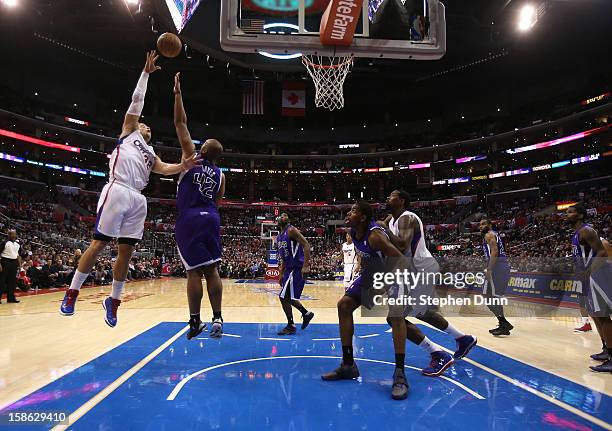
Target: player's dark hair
[(365, 209), (581, 209), (403, 194), (487, 221)]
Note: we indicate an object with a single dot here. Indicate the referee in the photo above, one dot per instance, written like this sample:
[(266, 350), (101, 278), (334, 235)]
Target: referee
[(10, 261)]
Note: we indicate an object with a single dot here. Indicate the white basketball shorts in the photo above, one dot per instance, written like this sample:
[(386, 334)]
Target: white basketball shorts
[(121, 212)]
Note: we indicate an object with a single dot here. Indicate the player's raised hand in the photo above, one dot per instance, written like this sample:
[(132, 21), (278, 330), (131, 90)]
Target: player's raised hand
[(192, 162), (177, 83), (150, 65)]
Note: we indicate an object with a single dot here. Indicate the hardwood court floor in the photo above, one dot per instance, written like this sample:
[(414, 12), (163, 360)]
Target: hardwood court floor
[(39, 345)]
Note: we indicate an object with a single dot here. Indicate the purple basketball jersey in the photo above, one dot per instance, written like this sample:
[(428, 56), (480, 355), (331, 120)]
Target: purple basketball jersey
[(289, 250), (583, 253), (198, 224), (198, 188), (362, 246)]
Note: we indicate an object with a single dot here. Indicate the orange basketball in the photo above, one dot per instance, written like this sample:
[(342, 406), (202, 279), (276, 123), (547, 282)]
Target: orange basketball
[(169, 45)]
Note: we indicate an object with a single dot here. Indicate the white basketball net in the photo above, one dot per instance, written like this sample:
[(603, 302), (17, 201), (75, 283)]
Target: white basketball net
[(328, 74)]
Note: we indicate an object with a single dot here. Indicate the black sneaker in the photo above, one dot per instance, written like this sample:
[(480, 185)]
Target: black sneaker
[(343, 372), (306, 318), (606, 367), (400, 385), (195, 329), (603, 356), (287, 330), (503, 329)]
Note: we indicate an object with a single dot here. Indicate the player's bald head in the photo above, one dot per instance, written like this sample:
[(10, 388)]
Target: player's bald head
[(212, 150)]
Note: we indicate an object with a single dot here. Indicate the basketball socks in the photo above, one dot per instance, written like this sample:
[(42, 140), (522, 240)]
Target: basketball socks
[(428, 346), (216, 315), (453, 332), (117, 289), (498, 311), (399, 360), (290, 321), (194, 318), (603, 344), (78, 279), (299, 307), (347, 355), (584, 320)]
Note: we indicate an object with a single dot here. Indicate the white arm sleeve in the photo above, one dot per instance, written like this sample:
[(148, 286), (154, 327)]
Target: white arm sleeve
[(138, 97)]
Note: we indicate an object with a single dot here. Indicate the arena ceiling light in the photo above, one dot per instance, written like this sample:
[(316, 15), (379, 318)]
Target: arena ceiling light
[(528, 17), (9, 3)]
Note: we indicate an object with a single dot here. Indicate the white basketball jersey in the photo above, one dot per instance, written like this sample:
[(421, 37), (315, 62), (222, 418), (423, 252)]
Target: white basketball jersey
[(348, 250), (131, 161), (417, 250)]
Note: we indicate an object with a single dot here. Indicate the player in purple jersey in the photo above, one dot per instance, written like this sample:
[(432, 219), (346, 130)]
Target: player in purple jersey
[(198, 225), (595, 271), (497, 274), (373, 246), (294, 253)]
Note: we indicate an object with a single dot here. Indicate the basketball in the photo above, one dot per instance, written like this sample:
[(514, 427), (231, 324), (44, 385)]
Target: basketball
[(169, 45)]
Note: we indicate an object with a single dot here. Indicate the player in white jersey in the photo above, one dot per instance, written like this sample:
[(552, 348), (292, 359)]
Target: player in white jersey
[(348, 251), (122, 208), (405, 229)]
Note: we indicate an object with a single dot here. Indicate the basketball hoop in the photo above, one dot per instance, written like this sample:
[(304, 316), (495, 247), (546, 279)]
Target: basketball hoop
[(328, 74)]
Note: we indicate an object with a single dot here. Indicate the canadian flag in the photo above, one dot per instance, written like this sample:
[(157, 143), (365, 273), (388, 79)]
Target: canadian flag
[(294, 99)]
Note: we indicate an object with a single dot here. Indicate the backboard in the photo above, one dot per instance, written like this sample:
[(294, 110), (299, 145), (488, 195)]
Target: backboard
[(289, 28)]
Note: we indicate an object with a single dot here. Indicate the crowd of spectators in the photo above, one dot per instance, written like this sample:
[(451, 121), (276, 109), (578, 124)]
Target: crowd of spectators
[(536, 238)]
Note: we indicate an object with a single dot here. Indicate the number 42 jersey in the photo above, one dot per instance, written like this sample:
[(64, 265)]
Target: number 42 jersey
[(198, 188), (198, 225)]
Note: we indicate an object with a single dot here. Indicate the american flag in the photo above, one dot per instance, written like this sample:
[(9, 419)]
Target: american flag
[(252, 25), (252, 97)]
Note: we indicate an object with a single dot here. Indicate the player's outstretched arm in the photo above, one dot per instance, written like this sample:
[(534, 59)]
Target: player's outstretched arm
[(180, 120), (168, 169), (130, 122)]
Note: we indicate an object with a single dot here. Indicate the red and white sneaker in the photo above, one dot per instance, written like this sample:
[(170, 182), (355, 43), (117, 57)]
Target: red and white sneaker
[(584, 328)]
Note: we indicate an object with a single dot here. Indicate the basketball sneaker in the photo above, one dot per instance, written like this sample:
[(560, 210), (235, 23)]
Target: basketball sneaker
[(111, 305), (67, 307), (400, 385), (306, 318), (606, 367), (195, 328), (602, 356), (343, 372), (216, 330), (464, 345), (502, 329), (440, 361), (584, 328), (287, 330)]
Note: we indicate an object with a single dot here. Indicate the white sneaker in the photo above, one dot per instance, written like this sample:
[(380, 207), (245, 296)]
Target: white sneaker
[(216, 330)]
